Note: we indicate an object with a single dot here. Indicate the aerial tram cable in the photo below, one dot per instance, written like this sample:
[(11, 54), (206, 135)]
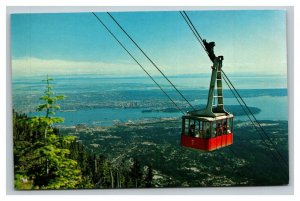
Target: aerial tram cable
[(119, 42), (241, 105), (263, 140), (193, 29), (257, 122), (150, 60), (217, 123), (267, 145), (200, 40), (258, 131), (269, 139)]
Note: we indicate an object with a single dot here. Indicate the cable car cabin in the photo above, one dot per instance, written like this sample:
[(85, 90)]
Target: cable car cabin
[(210, 128), (207, 133)]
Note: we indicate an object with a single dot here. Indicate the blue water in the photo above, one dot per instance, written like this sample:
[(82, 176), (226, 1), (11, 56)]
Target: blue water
[(268, 93), (107, 116), (271, 109)]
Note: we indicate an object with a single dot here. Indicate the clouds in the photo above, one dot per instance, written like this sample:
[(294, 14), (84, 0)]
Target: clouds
[(35, 66), (31, 66)]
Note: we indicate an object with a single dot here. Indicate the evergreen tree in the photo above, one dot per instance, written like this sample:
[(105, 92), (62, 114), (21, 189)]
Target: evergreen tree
[(149, 177), (46, 161), (136, 173)]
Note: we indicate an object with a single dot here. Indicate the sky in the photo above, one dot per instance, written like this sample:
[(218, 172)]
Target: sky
[(252, 42)]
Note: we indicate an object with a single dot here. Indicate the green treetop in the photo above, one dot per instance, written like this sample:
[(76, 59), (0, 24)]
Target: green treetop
[(47, 161)]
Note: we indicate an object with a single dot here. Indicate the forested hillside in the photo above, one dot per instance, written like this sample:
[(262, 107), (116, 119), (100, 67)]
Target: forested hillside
[(44, 159)]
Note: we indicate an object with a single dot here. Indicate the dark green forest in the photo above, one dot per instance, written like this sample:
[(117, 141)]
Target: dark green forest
[(45, 159)]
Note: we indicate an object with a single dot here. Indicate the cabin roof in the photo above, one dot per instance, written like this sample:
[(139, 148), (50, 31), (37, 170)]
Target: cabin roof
[(219, 116)]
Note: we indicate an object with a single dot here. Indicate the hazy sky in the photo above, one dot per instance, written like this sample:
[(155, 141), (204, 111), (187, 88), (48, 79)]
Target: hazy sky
[(74, 43)]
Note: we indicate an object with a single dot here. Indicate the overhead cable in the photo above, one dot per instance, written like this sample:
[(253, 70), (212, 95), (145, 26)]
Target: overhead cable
[(119, 42), (149, 59)]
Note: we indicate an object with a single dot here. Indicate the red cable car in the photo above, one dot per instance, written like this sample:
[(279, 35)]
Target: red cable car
[(211, 128)]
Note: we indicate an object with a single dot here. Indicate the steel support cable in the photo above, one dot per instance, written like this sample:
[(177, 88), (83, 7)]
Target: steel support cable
[(247, 114), (259, 132), (267, 136), (149, 59), (241, 105), (119, 42), (191, 26), (267, 145), (199, 38)]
